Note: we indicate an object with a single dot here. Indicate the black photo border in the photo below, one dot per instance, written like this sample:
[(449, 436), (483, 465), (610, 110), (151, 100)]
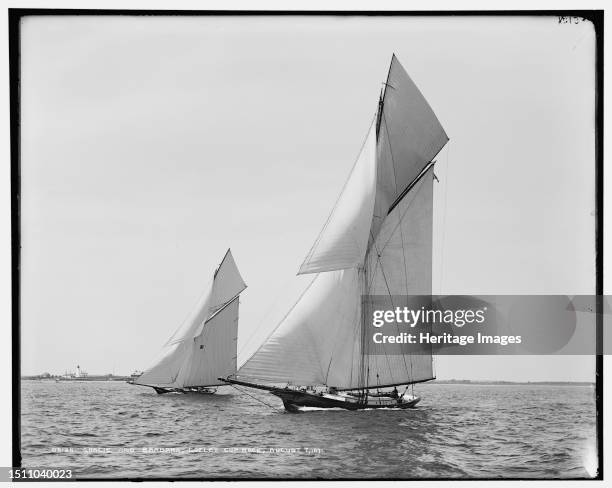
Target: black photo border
[(15, 15)]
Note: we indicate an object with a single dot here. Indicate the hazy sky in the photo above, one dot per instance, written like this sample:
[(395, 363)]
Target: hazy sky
[(152, 144)]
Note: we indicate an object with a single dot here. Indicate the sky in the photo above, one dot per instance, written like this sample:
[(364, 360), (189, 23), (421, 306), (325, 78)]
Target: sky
[(152, 144)]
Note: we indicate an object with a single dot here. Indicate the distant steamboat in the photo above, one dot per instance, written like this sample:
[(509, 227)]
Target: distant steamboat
[(82, 375)]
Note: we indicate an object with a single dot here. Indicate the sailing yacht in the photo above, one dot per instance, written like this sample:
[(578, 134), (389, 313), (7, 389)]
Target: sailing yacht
[(205, 345), (377, 241)]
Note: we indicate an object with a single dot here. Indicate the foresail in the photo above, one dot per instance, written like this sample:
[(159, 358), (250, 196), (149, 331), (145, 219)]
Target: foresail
[(409, 133), (199, 313), (165, 370), (399, 264), (342, 242), (317, 343), (166, 367)]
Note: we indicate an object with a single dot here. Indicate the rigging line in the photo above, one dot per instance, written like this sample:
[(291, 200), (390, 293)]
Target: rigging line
[(395, 182), (283, 319), (356, 328), (265, 316), (331, 357), (378, 254), (357, 331), (310, 336), (360, 326), (208, 289), (364, 331), (399, 224), (254, 397), (356, 339), (383, 96), (390, 296), (414, 195), (339, 307), (406, 282), (444, 221), (312, 249), (370, 283), (222, 307), (353, 356), (413, 183), (384, 118)]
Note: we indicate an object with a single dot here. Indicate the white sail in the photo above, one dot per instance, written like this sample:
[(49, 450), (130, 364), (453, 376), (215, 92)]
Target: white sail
[(177, 361), (408, 129), (342, 242), (399, 260), (228, 282), (317, 341), (376, 242), (399, 264), (167, 366), (213, 352), (189, 327)]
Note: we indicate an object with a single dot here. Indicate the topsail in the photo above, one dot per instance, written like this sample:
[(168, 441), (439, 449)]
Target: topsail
[(204, 347), (377, 241)]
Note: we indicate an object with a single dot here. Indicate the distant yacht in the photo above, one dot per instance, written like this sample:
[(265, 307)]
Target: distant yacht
[(205, 346)]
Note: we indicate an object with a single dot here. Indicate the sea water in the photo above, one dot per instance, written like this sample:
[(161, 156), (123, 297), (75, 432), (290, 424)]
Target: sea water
[(116, 430)]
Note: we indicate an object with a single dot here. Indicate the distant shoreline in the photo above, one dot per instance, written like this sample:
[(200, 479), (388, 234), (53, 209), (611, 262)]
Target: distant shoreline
[(107, 377), (535, 383), (436, 382)]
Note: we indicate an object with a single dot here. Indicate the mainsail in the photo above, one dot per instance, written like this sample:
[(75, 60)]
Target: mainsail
[(204, 347), (377, 241)]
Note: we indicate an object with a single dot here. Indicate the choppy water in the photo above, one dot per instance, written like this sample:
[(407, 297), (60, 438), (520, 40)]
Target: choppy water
[(518, 431)]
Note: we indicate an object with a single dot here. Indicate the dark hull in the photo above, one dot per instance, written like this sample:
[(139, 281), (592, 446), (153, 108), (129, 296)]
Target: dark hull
[(203, 390), (194, 389), (294, 400)]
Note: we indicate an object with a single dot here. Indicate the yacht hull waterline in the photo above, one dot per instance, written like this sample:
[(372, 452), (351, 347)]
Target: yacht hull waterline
[(296, 400), (202, 390)]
